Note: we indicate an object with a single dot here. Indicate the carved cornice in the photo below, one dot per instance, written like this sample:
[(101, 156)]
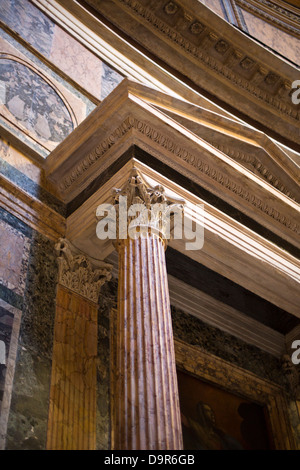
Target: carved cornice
[(76, 272), (222, 57), (257, 166), (96, 154), (194, 161)]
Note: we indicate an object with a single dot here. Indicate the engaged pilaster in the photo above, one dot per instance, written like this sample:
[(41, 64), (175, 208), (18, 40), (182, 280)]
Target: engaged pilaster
[(72, 408)]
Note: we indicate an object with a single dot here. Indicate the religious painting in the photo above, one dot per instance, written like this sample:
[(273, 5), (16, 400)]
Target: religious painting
[(215, 419)]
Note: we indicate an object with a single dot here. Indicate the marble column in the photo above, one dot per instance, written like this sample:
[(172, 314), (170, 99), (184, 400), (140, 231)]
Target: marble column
[(72, 407), (146, 413)]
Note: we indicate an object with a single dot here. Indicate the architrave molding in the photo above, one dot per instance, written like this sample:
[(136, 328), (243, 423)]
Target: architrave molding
[(213, 312), (124, 119), (229, 248), (250, 76)]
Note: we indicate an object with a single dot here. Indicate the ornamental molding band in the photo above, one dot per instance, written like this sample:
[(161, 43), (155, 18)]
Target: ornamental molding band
[(260, 75), (137, 191), (65, 186), (76, 272), (262, 80), (258, 167), (195, 161)]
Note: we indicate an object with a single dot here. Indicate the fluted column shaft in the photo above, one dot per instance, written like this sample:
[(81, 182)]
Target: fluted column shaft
[(146, 404), (72, 408), (72, 403)]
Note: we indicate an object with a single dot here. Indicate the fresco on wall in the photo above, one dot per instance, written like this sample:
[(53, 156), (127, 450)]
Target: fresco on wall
[(214, 419), (33, 102)]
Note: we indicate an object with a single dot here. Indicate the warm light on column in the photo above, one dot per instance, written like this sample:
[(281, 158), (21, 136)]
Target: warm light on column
[(146, 413)]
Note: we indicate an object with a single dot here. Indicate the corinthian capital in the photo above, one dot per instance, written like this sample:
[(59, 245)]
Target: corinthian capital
[(77, 273), (142, 209)]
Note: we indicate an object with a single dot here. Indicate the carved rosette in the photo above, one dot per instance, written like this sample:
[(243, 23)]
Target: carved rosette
[(156, 215), (76, 272)]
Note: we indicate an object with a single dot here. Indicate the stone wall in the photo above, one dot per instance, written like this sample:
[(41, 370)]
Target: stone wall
[(28, 285)]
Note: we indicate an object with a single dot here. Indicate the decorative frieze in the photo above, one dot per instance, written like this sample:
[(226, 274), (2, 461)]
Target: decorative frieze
[(191, 159), (203, 53)]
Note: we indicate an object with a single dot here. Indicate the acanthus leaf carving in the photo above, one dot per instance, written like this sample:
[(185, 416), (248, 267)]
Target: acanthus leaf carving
[(76, 272), (192, 160), (156, 208)]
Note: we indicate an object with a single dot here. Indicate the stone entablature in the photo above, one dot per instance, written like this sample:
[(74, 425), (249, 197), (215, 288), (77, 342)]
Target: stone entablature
[(126, 119)]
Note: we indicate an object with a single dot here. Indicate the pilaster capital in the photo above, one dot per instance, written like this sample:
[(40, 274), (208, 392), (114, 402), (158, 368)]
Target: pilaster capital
[(78, 273)]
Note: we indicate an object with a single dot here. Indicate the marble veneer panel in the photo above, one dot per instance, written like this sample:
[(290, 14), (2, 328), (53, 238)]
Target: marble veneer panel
[(27, 176), (29, 22), (110, 80), (27, 423), (65, 52), (273, 37), (107, 303), (10, 318), (27, 309), (34, 174), (14, 254), (76, 61)]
